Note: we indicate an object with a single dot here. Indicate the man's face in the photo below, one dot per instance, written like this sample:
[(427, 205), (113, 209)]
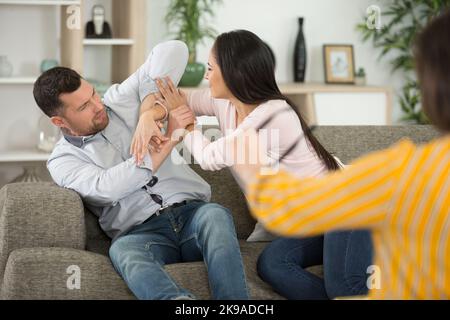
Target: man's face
[(83, 113)]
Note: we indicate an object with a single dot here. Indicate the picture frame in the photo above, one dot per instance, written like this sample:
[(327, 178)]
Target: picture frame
[(339, 63)]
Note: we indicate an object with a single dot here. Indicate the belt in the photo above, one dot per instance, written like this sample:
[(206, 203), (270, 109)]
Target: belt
[(172, 206)]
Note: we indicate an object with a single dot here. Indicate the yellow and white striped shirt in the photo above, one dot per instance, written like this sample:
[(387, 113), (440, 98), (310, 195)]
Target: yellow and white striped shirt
[(402, 194)]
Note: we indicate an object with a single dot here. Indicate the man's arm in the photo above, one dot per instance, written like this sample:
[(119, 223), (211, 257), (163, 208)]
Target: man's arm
[(166, 59), (200, 101), (105, 187), (96, 185)]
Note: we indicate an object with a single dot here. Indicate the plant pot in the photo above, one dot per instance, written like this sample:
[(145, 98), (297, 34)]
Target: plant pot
[(193, 75), (360, 81)]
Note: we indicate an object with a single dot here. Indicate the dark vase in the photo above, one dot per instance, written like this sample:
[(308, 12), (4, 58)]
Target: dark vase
[(300, 55)]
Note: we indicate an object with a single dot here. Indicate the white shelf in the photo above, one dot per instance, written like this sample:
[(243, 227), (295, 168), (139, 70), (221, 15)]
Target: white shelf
[(108, 42), (31, 155), (18, 80), (41, 2)]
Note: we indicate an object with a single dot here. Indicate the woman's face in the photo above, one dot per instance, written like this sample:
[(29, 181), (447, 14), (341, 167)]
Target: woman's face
[(219, 89)]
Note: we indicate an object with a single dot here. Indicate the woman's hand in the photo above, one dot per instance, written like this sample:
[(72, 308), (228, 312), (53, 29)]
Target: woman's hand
[(179, 119), (172, 96), (146, 129)]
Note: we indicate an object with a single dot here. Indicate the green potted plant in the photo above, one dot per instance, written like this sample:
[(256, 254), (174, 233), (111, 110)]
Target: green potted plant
[(187, 20), (402, 20)]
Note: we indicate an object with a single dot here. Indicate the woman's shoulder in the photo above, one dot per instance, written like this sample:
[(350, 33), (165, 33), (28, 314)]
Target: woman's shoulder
[(271, 108), (282, 114), (276, 104)]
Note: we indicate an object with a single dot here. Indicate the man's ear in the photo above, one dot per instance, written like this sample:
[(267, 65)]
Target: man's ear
[(58, 121)]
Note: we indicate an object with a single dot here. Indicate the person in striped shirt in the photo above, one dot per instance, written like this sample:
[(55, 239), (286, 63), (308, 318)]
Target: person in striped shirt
[(402, 194)]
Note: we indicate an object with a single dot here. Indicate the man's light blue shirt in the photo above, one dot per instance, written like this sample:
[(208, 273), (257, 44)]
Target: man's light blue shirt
[(100, 167)]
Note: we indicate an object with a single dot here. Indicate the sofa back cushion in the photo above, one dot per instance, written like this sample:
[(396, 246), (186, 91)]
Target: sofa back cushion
[(351, 142), (345, 142)]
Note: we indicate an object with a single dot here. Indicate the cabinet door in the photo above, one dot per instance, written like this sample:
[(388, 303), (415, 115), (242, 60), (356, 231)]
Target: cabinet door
[(351, 108)]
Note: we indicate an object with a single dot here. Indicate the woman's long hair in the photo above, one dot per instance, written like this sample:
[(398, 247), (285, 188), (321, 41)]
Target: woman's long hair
[(248, 70), (432, 53)]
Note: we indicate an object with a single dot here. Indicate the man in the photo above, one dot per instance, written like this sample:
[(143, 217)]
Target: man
[(156, 212)]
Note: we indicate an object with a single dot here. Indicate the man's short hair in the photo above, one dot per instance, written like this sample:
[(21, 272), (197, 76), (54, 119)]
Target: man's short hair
[(51, 84)]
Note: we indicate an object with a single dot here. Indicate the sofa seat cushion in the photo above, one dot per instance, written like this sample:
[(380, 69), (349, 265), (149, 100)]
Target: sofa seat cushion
[(43, 274), (193, 274)]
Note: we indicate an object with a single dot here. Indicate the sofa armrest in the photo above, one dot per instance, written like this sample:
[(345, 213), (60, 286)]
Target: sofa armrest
[(39, 215), (61, 274)]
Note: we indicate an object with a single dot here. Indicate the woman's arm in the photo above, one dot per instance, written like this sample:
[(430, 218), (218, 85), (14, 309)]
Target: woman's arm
[(357, 197), (200, 101), (211, 156)]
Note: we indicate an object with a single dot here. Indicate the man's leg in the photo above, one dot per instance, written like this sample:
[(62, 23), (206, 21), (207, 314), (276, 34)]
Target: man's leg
[(139, 257), (209, 233), (166, 59)]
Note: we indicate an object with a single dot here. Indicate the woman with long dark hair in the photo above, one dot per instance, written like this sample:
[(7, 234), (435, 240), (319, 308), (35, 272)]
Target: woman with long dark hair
[(402, 193), (243, 93)]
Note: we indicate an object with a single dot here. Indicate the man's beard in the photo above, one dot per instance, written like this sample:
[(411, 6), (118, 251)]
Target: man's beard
[(95, 128), (99, 126)]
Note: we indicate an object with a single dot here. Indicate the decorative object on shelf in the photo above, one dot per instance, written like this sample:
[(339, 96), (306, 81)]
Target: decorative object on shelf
[(48, 64), (98, 28), (300, 54), (360, 77), (6, 67), (49, 134), (339, 64), (186, 16)]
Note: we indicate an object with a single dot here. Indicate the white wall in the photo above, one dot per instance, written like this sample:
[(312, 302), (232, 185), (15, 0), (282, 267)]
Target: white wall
[(326, 21), (28, 34)]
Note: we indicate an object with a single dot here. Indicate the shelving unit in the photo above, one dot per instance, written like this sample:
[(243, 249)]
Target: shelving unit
[(128, 48), (108, 42), (18, 80), (23, 156), (40, 2)]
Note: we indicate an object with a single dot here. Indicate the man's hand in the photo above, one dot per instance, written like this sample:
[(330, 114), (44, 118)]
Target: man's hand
[(151, 103), (146, 129), (172, 96), (179, 118)]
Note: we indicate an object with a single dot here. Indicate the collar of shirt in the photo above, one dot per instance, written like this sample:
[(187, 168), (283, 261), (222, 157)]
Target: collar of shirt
[(79, 141)]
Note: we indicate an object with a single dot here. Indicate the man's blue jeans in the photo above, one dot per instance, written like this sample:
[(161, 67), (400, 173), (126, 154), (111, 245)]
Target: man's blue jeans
[(345, 257), (194, 232)]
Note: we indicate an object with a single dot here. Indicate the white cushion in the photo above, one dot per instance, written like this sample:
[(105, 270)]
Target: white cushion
[(260, 234)]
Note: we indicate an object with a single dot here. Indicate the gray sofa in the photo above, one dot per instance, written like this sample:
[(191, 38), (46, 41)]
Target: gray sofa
[(44, 229)]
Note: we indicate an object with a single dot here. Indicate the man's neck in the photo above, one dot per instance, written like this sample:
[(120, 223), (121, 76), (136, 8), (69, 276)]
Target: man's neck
[(69, 133)]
